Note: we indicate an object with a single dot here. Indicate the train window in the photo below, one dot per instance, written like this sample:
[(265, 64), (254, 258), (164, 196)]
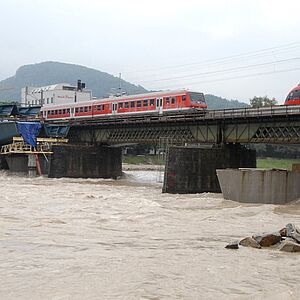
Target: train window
[(183, 97), (167, 100), (120, 105), (60, 111), (81, 109), (86, 109), (76, 109), (145, 103), (55, 112), (173, 100), (68, 110), (63, 111), (90, 108), (103, 107), (139, 104), (132, 104), (151, 102), (296, 94), (98, 107), (197, 98), (126, 104)]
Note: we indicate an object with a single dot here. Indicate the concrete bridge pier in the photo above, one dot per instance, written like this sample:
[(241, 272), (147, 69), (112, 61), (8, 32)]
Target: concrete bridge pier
[(192, 169), (83, 161)]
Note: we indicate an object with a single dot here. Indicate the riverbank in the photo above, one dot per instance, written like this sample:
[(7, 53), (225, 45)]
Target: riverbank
[(154, 162)]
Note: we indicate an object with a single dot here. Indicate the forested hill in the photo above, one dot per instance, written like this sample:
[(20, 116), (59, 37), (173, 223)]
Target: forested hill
[(47, 73), (215, 102), (100, 83)]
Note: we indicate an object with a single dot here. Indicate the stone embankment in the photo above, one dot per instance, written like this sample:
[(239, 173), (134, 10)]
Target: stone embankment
[(286, 239)]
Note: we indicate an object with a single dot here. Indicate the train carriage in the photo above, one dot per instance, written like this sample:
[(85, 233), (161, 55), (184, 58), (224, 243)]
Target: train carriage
[(157, 102)]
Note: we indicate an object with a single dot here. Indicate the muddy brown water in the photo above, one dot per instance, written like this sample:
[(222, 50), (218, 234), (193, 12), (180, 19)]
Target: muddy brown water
[(105, 239)]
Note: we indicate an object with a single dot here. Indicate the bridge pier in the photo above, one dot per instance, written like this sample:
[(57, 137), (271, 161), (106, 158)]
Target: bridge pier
[(81, 161), (24, 163), (3, 163), (192, 169)]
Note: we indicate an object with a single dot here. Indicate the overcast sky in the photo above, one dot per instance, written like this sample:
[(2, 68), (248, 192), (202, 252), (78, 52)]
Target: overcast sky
[(234, 49)]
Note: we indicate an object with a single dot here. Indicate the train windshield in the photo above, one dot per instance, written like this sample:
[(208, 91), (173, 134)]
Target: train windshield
[(197, 98), (293, 95)]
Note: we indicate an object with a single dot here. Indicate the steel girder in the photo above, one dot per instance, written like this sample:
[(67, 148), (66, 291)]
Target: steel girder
[(209, 132)]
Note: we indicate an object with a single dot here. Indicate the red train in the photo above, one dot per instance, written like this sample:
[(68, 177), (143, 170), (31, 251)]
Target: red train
[(293, 97), (157, 102)]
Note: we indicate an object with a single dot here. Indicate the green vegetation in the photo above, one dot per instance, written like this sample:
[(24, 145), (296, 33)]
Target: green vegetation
[(47, 73), (276, 163), (264, 163), (262, 101), (142, 159), (215, 102)]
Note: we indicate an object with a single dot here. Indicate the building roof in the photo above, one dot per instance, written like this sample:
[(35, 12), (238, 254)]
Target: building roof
[(51, 87)]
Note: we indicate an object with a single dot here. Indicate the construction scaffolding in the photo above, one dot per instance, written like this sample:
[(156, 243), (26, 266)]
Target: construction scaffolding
[(19, 146)]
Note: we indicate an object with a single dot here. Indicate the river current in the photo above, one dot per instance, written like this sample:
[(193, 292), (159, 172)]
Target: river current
[(105, 239)]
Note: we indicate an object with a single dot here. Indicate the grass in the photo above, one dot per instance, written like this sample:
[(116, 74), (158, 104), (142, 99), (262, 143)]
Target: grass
[(276, 163), (264, 163)]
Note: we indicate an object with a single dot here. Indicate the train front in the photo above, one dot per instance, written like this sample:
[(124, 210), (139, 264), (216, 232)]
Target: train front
[(293, 98)]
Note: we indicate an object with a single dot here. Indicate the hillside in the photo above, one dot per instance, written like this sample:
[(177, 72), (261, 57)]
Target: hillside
[(47, 73), (215, 102), (100, 83)]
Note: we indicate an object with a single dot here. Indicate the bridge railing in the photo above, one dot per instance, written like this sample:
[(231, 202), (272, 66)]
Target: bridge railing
[(253, 112)]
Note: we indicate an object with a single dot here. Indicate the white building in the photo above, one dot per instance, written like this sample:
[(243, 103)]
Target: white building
[(54, 94)]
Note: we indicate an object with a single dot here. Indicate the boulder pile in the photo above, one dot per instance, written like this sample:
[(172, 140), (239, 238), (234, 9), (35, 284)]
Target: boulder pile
[(286, 239)]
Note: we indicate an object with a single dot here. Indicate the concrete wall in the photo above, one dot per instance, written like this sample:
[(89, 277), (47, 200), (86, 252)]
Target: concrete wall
[(80, 161), (193, 169), (260, 186), (19, 163), (3, 163)]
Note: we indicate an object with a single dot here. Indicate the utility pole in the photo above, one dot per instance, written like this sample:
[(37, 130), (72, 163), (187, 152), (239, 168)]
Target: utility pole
[(120, 85)]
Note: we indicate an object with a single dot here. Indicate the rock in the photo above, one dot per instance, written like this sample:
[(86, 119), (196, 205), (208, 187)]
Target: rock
[(290, 229), (250, 242), (233, 245), (296, 236), (267, 239), (289, 246), (288, 239), (282, 231)]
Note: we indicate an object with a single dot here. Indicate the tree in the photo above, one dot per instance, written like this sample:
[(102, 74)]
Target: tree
[(262, 101)]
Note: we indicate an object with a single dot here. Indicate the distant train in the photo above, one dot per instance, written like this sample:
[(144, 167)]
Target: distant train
[(293, 97), (150, 103)]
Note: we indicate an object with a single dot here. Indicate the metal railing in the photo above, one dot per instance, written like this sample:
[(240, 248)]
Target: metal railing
[(185, 115), (23, 148), (278, 110), (43, 146)]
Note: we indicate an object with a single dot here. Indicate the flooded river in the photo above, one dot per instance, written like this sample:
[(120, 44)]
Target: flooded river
[(105, 239)]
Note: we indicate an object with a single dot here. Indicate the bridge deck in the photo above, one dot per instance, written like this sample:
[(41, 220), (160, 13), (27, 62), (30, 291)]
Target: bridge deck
[(277, 124)]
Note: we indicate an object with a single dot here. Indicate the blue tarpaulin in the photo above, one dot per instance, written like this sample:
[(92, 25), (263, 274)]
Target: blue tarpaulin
[(29, 131)]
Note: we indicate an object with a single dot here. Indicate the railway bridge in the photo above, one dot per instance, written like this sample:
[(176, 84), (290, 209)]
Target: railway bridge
[(278, 124), (192, 169), (190, 166)]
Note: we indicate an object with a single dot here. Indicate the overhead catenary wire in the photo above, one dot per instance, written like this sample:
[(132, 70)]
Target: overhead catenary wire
[(234, 77), (267, 51), (222, 71)]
